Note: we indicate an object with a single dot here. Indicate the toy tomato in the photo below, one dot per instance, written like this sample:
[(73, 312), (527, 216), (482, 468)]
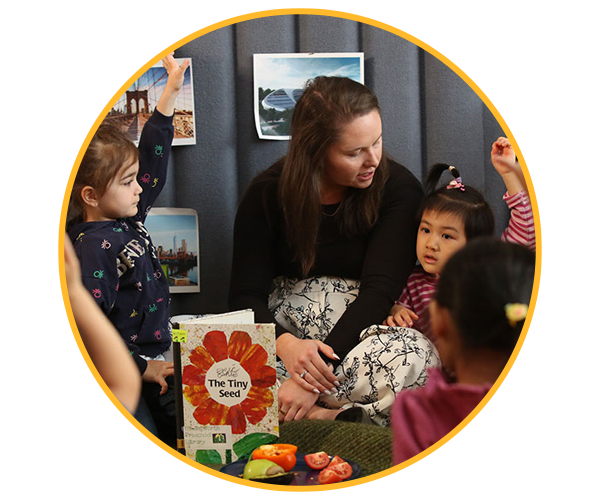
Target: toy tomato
[(336, 460), (318, 460), (283, 455), (344, 470), (328, 476)]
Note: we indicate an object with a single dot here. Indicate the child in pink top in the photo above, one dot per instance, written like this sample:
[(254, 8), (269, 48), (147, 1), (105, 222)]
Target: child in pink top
[(452, 215), (477, 315)]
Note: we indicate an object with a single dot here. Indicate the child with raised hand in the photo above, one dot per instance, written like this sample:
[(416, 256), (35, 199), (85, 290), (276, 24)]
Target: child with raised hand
[(114, 189), (93, 428), (477, 316), (449, 217)]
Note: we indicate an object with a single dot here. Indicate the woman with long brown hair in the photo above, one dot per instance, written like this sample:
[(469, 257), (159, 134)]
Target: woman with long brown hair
[(323, 241)]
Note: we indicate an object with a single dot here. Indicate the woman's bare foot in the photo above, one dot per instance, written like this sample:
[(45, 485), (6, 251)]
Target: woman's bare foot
[(320, 413)]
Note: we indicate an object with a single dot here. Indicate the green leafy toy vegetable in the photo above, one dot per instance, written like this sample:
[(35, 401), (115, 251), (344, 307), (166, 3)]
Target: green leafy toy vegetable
[(245, 446)]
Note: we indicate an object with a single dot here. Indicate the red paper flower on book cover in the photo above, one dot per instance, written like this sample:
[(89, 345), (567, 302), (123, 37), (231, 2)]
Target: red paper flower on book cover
[(229, 383)]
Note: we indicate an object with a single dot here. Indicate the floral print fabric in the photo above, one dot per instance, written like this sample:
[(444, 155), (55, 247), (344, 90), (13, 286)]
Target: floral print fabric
[(386, 361)]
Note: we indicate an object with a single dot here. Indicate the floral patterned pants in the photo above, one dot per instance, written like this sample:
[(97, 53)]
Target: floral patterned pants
[(386, 361)]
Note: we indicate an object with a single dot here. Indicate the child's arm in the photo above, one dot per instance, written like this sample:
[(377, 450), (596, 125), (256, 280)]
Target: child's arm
[(401, 313), (166, 102), (156, 138), (103, 343), (521, 228), (158, 371), (506, 164)]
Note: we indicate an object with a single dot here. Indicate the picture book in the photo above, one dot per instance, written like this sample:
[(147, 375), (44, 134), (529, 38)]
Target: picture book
[(228, 386)]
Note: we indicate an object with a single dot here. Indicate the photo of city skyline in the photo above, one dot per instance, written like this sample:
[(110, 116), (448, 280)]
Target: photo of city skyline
[(174, 233), (100, 81)]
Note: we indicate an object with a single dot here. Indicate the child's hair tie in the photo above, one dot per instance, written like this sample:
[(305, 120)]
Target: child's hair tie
[(457, 182), (515, 313)]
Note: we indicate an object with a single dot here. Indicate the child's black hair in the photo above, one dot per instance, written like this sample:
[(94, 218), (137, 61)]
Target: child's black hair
[(464, 201), (476, 285)]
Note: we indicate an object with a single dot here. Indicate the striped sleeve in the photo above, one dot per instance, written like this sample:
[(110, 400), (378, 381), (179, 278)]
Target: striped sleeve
[(521, 227), (417, 295), (422, 291)]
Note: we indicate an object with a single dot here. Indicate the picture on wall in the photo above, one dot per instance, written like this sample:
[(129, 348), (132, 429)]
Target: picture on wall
[(174, 232), (135, 106), (279, 80)]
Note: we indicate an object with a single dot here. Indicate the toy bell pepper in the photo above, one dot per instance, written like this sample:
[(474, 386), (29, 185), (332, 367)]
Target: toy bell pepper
[(283, 455)]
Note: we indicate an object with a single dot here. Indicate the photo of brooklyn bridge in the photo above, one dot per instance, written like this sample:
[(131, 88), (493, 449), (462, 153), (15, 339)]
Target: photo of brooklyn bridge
[(133, 108)]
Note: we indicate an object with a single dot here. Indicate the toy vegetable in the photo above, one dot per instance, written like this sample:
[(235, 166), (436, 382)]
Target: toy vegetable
[(265, 471), (283, 455)]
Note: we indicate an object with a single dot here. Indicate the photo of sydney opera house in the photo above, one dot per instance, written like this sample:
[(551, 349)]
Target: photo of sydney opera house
[(279, 80)]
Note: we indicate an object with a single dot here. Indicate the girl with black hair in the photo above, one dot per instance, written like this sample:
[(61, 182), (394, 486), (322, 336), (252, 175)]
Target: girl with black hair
[(477, 314), (449, 217)]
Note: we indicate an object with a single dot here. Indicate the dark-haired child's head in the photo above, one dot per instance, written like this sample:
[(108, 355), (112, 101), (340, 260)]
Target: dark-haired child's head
[(110, 161), (483, 295), (449, 217), (477, 284)]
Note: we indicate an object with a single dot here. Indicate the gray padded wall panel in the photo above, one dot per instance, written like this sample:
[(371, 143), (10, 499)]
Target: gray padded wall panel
[(496, 72), (429, 115), (206, 174), (453, 122), (269, 35), (328, 34), (392, 72)]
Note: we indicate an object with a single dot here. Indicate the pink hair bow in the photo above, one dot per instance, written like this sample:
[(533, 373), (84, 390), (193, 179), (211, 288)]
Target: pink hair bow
[(456, 184)]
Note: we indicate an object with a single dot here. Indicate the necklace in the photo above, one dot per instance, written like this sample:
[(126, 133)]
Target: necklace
[(339, 205)]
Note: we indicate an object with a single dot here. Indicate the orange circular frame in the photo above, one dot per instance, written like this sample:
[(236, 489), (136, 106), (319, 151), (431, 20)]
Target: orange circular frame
[(351, 17)]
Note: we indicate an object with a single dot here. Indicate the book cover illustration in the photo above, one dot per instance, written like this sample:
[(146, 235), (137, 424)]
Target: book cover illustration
[(229, 393)]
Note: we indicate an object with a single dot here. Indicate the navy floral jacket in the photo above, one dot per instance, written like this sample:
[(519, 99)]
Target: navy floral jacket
[(119, 263)]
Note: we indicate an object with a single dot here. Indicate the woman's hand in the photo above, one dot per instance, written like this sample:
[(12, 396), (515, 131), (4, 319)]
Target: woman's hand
[(294, 401), (401, 316), (303, 362)]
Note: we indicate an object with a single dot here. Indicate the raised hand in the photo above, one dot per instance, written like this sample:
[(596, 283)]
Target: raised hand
[(506, 164), (503, 156), (176, 72)]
